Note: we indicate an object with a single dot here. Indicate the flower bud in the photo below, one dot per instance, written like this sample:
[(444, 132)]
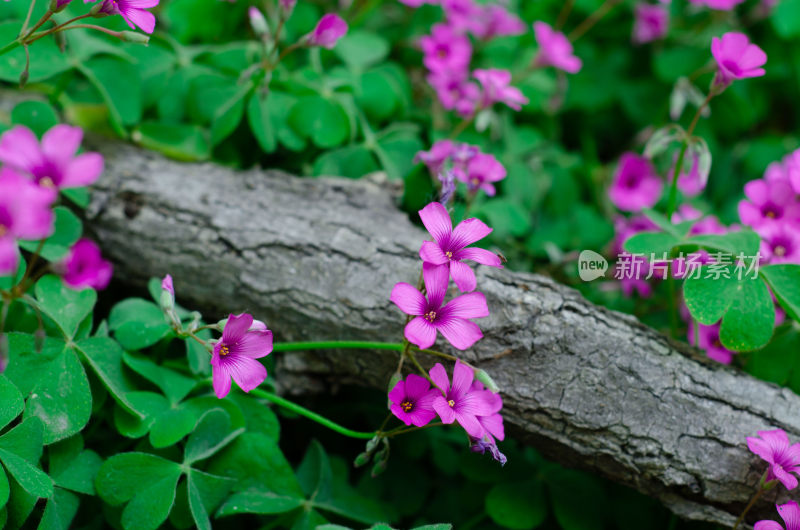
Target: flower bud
[(58, 5), (38, 340), (132, 36), (486, 379), (258, 22), (3, 352), (362, 459)]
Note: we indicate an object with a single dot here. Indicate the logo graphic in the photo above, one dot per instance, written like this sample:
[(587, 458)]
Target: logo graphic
[(591, 265)]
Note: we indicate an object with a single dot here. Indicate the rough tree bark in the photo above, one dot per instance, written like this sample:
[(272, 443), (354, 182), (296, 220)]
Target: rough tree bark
[(317, 258)]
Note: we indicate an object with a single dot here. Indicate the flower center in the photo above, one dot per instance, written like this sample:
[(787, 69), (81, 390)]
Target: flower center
[(449, 254), (717, 344), (3, 230), (430, 316), (224, 350), (406, 405), (780, 251), (475, 181), (46, 182), (451, 403)]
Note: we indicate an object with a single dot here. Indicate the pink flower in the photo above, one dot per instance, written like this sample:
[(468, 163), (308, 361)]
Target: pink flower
[(166, 285), (84, 266), (721, 5), (132, 11), (780, 243), (480, 172), (438, 155), (288, 5), (460, 401), (492, 421), (455, 91), (709, 342), (496, 85), (464, 15), (783, 459), (498, 22), (636, 184), (52, 164), (791, 167), (446, 50), (651, 23), (693, 182), (24, 214), (235, 355), (450, 320), (555, 49), (736, 58), (768, 202), (412, 400), (789, 512), (449, 247), (329, 30)]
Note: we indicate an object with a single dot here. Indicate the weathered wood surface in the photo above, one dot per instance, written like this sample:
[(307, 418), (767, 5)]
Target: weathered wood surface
[(317, 258)]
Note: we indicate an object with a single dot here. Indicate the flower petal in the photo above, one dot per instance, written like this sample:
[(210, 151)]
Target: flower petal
[(408, 299), (416, 386), (479, 255), (439, 376), (220, 377), (467, 232), (445, 411), (248, 373), (462, 379), (459, 332), (790, 513), (431, 252), (470, 424), (254, 344), (61, 142), (9, 256), (493, 425), (470, 305), (83, 170), (437, 221), (236, 327), (767, 525), (463, 276), (421, 332), (436, 279), (20, 148), (398, 393)]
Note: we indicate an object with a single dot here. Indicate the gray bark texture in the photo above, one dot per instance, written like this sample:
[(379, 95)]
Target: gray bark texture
[(317, 258)]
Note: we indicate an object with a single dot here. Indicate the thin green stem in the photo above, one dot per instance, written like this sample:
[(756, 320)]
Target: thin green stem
[(10, 46), (592, 19), (39, 24), (461, 127), (336, 344), (562, 16), (302, 411), (27, 18), (747, 508)]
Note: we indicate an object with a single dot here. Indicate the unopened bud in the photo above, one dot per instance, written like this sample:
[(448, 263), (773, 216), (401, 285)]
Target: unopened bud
[(38, 340), (57, 6), (378, 468), (23, 78), (258, 22), (167, 301), (133, 36), (486, 379), (362, 460), (3, 352), (373, 444)]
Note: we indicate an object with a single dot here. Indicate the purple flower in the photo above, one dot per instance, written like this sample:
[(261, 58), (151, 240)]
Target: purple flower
[(132, 11), (783, 459), (481, 446), (498, 22), (636, 184), (450, 320), (460, 401), (439, 153), (24, 214), (693, 182), (709, 342), (455, 91), (651, 23), (52, 164), (769, 202), (448, 181), (780, 243), (464, 15), (555, 49), (789, 512), (235, 355), (736, 58), (449, 248), (329, 30), (287, 5), (480, 172), (446, 50), (496, 88), (492, 422), (412, 400), (84, 266)]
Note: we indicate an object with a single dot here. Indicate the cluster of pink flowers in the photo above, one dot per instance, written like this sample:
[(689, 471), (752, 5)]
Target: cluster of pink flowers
[(465, 401), (466, 163), (651, 22), (32, 175), (448, 54), (783, 459)]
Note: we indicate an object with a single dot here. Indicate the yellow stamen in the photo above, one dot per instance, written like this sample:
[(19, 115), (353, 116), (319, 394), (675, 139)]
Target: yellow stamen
[(224, 350), (406, 405), (46, 182), (451, 403), (780, 251), (430, 316)]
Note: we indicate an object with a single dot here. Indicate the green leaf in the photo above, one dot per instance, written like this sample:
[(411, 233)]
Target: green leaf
[(25, 440), (744, 242), (744, 305), (396, 153), (79, 196), (171, 426), (46, 61), (59, 511), (149, 403), (279, 105), (187, 143), (146, 480), (260, 121), (33, 480), (352, 161), (138, 323), (256, 462), (11, 402), (37, 116), (72, 468), (578, 500), (517, 505), (67, 307), (20, 504), (228, 114), (378, 95), (174, 385), (324, 121), (785, 283), (212, 433), (119, 85), (4, 491), (647, 243), (105, 357), (777, 362), (260, 502), (786, 18), (259, 418), (206, 492), (314, 473), (359, 49)]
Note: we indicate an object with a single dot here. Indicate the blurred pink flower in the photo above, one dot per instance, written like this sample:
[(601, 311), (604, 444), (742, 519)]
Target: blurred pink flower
[(84, 266), (709, 342), (555, 49), (480, 172), (496, 88), (650, 23), (446, 50), (789, 512), (329, 30), (636, 184), (53, 163), (769, 202), (783, 459), (780, 243), (736, 58), (24, 214)]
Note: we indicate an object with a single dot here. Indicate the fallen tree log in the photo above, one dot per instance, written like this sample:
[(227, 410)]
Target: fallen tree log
[(317, 259)]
